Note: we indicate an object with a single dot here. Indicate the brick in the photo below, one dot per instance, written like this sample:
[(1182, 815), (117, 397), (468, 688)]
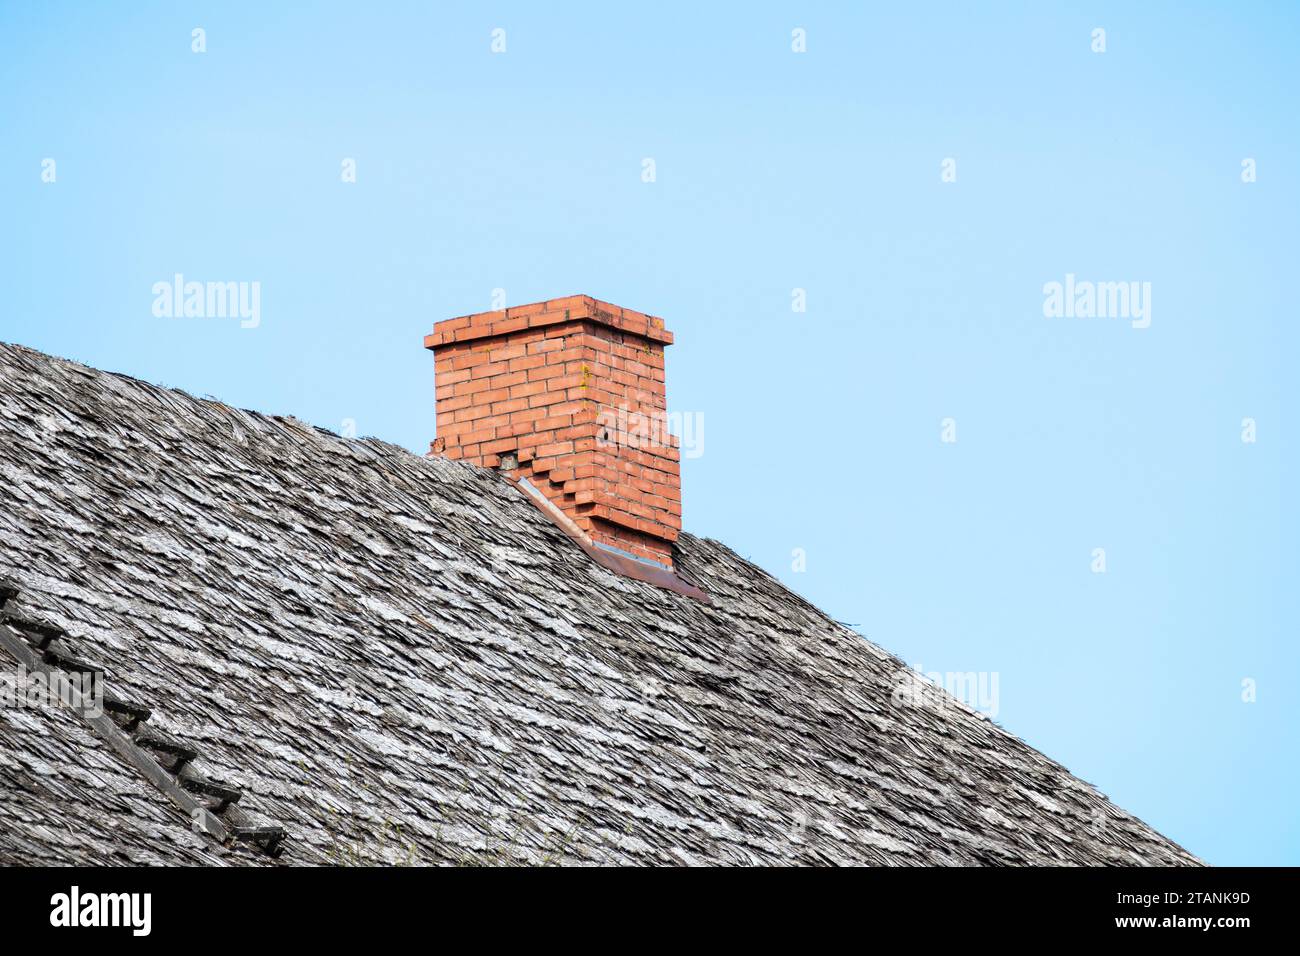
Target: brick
[(543, 398), (554, 449), (509, 379), (528, 416), (505, 407), (527, 390), (546, 345), (527, 362), (544, 372)]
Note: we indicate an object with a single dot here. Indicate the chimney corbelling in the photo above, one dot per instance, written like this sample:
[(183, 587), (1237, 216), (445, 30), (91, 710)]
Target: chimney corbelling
[(549, 387)]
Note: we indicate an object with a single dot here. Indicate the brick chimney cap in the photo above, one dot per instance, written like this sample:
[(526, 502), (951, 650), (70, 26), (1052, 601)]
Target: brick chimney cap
[(573, 308)]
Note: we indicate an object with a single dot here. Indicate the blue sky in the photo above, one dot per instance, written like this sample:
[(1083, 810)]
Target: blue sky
[(775, 171)]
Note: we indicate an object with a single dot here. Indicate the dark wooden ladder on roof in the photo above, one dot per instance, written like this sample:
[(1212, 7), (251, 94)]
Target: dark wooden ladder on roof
[(162, 758)]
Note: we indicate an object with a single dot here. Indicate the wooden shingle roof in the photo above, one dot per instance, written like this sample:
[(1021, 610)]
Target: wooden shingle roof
[(400, 659)]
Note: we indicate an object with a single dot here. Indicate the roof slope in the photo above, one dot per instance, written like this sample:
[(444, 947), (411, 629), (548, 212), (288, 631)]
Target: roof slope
[(401, 659)]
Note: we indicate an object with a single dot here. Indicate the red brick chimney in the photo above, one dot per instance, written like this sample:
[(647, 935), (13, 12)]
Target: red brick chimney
[(569, 395)]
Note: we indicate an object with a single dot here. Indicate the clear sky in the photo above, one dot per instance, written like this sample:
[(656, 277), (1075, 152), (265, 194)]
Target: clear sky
[(774, 170)]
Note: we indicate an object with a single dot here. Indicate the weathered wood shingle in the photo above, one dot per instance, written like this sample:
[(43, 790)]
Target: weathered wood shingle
[(400, 659)]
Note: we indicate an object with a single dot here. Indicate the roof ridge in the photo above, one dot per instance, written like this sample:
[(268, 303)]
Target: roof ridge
[(155, 389)]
